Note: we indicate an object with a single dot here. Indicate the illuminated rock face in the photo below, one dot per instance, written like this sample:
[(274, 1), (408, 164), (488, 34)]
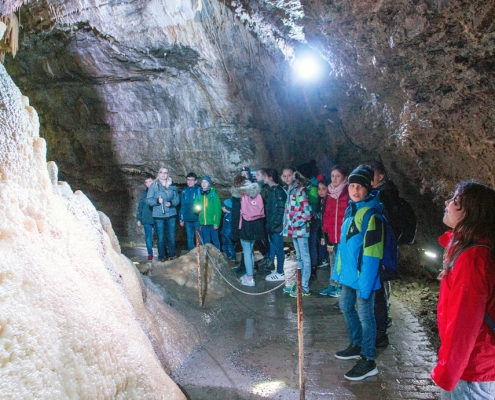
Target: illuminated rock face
[(123, 87), (76, 319)]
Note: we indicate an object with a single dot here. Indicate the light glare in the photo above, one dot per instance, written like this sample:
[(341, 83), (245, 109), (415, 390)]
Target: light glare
[(268, 389), (307, 67), (431, 254)]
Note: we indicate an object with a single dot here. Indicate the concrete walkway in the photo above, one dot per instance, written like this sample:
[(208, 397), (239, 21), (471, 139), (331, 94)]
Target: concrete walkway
[(249, 349)]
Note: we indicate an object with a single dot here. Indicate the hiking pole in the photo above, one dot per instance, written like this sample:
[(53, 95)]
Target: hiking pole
[(200, 284), (300, 336), (163, 209)]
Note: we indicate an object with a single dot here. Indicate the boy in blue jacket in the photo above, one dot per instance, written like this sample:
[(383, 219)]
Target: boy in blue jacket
[(187, 216), (227, 244), (356, 269)]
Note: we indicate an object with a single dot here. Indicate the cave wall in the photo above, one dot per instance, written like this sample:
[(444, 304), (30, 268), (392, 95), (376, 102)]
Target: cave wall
[(125, 88), (122, 88)]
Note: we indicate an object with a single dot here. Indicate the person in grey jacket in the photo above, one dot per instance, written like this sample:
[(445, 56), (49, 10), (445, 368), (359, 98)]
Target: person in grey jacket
[(145, 219), (163, 198)]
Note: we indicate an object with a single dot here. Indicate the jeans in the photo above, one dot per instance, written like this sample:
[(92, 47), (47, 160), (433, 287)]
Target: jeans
[(314, 241), (247, 251), (148, 233), (165, 226), (191, 228), (465, 390), (277, 249), (208, 234), (227, 245), (304, 260), (361, 325), (381, 309)]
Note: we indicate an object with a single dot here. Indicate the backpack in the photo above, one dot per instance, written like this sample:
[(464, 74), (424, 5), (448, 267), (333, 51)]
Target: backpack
[(388, 268), (252, 208), (408, 222), (489, 320)]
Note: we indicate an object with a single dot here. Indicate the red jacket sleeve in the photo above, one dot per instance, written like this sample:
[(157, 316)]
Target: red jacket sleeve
[(464, 294)]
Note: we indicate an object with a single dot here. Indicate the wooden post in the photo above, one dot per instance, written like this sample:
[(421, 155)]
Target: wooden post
[(200, 282), (300, 335)]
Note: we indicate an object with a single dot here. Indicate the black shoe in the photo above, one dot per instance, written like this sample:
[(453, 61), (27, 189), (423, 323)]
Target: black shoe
[(362, 369), (239, 270), (349, 353), (381, 340)]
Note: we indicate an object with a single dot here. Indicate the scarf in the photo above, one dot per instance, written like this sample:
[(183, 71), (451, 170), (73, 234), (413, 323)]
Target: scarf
[(335, 192)]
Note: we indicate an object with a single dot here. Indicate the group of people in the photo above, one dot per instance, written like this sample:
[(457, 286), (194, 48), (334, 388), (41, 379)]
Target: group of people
[(327, 218)]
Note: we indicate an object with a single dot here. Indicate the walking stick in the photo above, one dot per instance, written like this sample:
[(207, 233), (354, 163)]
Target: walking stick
[(300, 336), (200, 284)]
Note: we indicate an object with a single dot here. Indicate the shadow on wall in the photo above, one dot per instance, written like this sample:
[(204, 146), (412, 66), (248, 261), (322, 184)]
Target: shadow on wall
[(73, 122)]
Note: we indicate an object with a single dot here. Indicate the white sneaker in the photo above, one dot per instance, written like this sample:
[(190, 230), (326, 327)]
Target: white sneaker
[(274, 277), (247, 282)]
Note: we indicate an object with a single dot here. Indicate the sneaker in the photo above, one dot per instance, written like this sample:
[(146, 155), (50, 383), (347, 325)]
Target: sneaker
[(362, 369), (324, 292), (274, 277), (303, 293), (335, 292), (150, 257), (172, 258), (246, 281), (349, 353), (290, 289), (324, 263), (162, 260), (381, 340)]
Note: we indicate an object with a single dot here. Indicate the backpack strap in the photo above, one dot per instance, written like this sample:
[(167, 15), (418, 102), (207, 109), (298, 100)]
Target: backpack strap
[(490, 322)]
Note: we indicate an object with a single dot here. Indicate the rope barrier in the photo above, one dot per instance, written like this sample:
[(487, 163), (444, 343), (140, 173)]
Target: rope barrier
[(300, 319), (230, 284)]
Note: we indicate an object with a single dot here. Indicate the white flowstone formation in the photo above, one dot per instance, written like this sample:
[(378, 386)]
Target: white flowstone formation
[(76, 319)]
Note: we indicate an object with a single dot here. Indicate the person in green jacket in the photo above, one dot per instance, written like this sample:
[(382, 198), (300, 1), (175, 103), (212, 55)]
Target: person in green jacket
[(209, 208)]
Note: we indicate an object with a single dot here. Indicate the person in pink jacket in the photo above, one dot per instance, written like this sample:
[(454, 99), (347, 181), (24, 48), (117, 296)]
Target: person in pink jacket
[(466, 305)]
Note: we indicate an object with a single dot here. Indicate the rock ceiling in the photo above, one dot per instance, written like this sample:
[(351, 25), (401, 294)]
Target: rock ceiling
[(123, 87)]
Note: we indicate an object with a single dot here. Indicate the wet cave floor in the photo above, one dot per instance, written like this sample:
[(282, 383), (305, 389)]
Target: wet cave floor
[(249, 349)]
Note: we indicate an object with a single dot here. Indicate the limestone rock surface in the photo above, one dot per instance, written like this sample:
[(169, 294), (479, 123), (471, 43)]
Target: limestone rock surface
[(123, 88), (76, 318)]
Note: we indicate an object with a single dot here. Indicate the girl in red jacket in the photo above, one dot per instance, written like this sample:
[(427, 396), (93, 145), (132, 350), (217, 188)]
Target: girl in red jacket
[(466, 359), (333, 216)]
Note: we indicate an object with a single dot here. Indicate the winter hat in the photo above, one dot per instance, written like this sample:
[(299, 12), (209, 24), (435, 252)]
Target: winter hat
[(362, 175), (206, 178), (228, 203)]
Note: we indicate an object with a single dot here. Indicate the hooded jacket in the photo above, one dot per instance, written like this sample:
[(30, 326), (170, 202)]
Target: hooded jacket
[(356, 245), (274, 209), (144, 212), (250, 230), (168, 194), (297, 213), (187, 197), (467, 351), (208, 206), (333, 215)]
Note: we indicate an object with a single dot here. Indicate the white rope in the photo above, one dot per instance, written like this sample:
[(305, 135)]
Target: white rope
[(236, 288)]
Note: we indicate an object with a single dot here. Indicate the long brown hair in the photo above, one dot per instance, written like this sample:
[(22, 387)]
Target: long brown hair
[(478, 202)]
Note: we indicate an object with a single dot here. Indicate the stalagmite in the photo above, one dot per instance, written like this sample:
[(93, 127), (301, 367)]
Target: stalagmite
[(75, 316)]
